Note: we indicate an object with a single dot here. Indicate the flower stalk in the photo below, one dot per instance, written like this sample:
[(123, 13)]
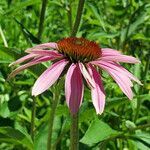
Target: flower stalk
[(52, 117), (74, 135), (33, 118), (74, 138), (42, 16), (78, 17), (69, 13)]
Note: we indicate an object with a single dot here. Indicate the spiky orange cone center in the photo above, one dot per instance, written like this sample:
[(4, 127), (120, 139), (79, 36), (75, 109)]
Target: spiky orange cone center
[(79, 49)]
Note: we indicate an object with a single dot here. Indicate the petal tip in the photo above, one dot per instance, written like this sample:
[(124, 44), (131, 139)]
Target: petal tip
[(28, 50), (130, 97), (99, 113), (34, 93), (11, 64), (140, 83), (138, 61)]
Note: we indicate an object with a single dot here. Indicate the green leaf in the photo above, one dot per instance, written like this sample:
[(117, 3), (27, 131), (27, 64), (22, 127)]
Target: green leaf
[(141, 146), (97, 15), (4, 110), (62, 110), (23, 130), (19, 6), (28, 34), (8, 55), (97, 132), (142, 138), (10, 135), (140, 36), (140, 19), (40, 138), (102, 35)]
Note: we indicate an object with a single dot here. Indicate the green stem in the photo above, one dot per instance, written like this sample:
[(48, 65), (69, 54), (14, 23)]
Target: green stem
[(42, 16), (33, 118), (142, 126), (78, 17), (52, 117), (69, 12), (74, 135), (141, 91), (3, 37)]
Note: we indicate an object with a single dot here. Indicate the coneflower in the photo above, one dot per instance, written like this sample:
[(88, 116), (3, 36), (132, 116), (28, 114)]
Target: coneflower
[(81, 56)]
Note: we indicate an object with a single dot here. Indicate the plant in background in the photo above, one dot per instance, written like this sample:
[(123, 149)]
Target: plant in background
[(80, 61)]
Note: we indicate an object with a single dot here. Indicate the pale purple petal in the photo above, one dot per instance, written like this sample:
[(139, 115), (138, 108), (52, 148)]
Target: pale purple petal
[(123, 83), (74, 88), (29, 64), (121, 58), (98, 94), (121, 79), (124, 71), (45, 52), (114, 55), (48, 77), (23, 59), (109, 52), (50, 45), (118, 68), (86, 75)]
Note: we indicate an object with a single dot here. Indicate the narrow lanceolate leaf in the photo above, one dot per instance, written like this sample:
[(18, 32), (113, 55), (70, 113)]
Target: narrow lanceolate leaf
[(28, 34), (10, 135), (98, 16), (97, 132)]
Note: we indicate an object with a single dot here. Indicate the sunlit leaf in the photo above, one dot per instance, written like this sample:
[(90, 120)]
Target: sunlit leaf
[(97, 132)]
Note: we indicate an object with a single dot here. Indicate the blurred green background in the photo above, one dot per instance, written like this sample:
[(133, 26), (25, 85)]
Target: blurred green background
[(119, 24)]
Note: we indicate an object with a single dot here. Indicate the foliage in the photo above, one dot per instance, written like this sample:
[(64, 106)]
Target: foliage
[(122, 25)]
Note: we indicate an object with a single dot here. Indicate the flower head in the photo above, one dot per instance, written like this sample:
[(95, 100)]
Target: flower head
[(81, 55)]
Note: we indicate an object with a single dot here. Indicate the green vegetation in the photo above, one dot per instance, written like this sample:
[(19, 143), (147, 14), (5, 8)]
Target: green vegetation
[(119, 24)]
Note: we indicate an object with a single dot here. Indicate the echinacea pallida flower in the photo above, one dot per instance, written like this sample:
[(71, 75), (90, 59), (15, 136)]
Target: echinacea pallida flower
[(81, 58)]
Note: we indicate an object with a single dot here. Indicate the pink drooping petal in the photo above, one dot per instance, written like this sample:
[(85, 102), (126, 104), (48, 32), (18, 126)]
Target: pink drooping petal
[(118, 68), (50, 45), (124, 71), (46, 52), (29, 64), (23, 59), (74, 88), (109, 52), (123, 84), (114, 55), (121, 79), (86, 75), (98, 94), (121, 58), (48, 77)]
